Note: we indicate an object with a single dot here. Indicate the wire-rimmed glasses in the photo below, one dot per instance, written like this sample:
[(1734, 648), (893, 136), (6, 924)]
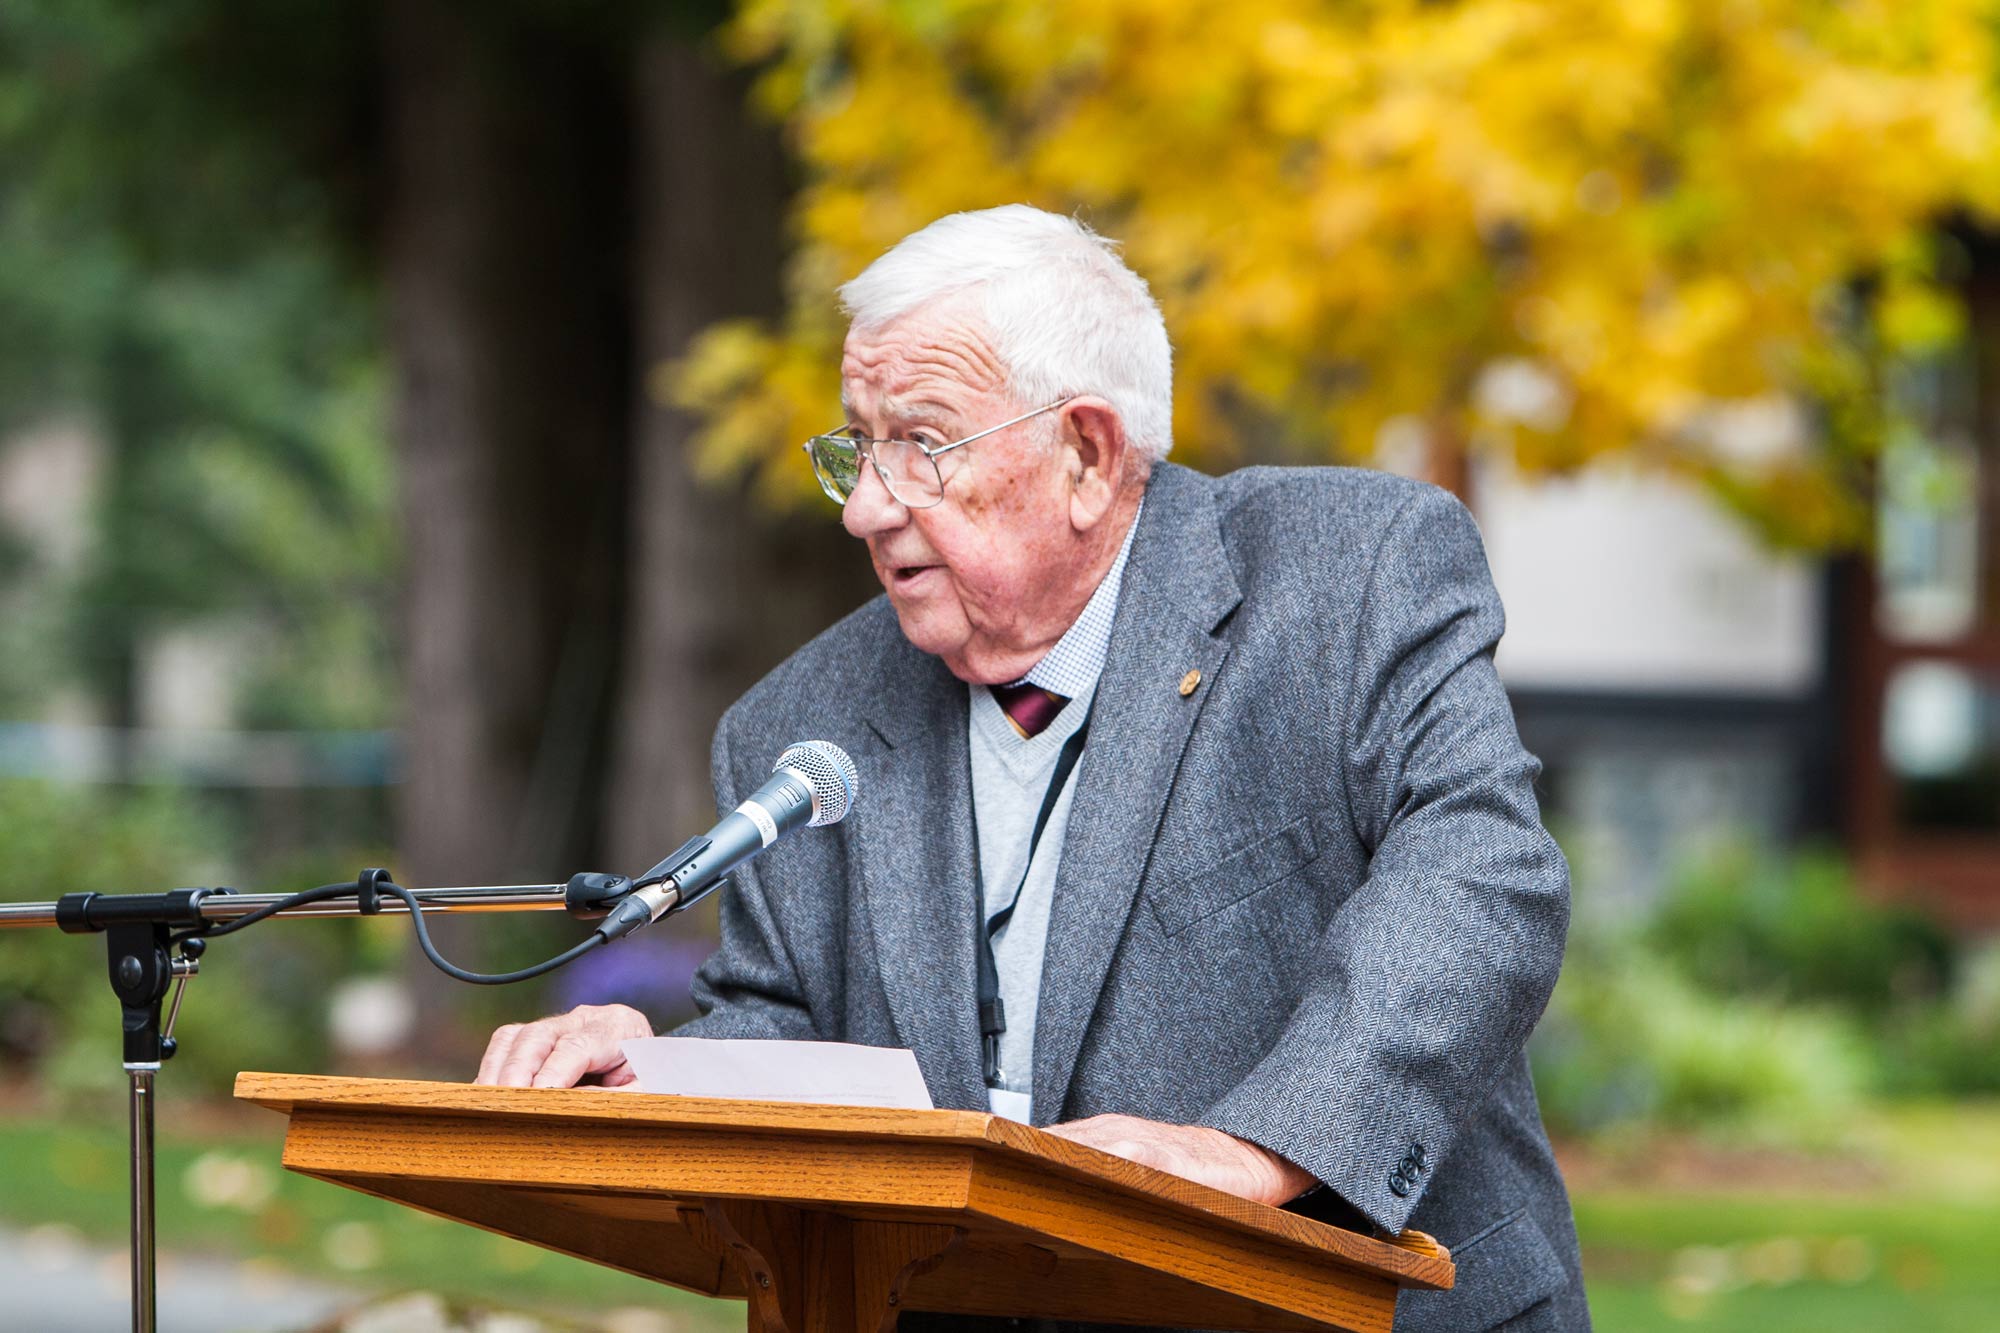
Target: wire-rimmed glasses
[(908, 467)]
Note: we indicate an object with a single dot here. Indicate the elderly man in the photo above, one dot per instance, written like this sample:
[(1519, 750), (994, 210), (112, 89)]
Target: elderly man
[(1194, 822)]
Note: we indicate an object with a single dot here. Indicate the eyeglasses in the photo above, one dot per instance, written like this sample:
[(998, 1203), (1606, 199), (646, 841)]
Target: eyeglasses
[(908, 468)]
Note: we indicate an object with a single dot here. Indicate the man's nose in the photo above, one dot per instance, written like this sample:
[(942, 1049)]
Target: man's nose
[(871, 510)]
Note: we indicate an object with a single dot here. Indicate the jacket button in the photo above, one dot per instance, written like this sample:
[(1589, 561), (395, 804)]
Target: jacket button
[(1417, 1154), (1399, 1185)]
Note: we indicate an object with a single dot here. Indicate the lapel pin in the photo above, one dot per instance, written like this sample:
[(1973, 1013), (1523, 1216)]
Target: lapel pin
[(1189, 682)]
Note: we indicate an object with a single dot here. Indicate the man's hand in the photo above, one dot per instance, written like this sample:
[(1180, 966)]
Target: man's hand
[(1206, 1156), (562, 1051)]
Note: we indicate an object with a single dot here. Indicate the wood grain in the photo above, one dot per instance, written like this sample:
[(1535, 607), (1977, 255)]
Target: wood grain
[(889, 1257), (1147, 1234), (764, 1246), (572, 1226), (1413, 1259), (990, 1277), (719, 1163), (828, 1219)]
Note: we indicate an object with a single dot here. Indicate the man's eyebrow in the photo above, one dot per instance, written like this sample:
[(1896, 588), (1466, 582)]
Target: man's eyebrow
[(927, 410), (923, 411)]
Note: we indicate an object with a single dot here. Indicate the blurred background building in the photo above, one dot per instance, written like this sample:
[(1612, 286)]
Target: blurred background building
[(1684, 683)]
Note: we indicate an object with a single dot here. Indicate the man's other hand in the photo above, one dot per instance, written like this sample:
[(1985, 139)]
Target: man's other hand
[(1206, 1156), (562, 1051)]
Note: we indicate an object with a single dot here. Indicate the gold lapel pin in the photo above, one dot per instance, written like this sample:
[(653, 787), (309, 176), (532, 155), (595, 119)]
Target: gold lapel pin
[(1189, 682)]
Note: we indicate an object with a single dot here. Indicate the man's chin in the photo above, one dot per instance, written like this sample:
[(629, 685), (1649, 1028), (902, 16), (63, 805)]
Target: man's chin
[(972, 662), (927, 631), (947, 642)]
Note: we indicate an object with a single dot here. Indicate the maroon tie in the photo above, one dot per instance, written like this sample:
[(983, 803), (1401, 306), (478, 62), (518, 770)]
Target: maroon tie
[(1029, 707)]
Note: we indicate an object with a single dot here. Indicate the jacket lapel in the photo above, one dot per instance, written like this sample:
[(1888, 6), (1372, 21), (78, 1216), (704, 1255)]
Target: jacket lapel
[(913, 840), (1178, 588)]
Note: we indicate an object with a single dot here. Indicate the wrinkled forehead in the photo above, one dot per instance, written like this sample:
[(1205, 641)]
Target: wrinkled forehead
[(939, 353)]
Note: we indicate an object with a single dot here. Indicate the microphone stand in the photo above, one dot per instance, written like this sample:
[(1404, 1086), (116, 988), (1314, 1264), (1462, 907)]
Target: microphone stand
[(151, 951)]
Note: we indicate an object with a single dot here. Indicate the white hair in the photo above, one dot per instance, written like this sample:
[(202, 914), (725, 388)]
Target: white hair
[(1063, 312)]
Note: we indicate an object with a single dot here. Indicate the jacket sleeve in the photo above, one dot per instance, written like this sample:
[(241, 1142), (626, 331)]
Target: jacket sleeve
[(1433, 973), (749, 987)]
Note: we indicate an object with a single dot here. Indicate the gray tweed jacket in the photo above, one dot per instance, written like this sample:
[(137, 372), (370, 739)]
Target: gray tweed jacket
[(1310, 902)]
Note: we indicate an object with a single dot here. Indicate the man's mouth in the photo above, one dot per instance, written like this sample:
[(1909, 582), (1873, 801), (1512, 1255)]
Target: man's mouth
[(905, 576)]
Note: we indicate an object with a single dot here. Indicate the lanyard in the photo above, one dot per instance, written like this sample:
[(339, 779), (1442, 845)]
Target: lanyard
[(992, 1013)]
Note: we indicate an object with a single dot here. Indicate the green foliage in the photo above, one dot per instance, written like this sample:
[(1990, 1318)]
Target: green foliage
[(1798, 929), (1953, 1048), (55, 1005), (1628, 1039), (256, 1003), (195, 129), (1763, 991), (173, 281), (1943, 1052)]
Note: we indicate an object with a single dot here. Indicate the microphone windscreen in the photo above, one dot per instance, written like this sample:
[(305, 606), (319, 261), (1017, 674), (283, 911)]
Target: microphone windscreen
[(828, 771)]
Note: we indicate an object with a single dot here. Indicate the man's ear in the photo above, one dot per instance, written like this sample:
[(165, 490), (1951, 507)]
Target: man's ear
[(1096, 453)]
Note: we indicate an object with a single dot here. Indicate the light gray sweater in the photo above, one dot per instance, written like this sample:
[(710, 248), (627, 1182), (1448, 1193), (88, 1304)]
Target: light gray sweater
[(1010, 777)]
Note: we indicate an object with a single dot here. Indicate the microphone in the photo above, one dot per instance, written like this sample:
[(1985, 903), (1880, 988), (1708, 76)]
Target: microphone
[(812, 784)]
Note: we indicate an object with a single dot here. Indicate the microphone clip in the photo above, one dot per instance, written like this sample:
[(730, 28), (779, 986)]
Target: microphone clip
[(676, 861), (592, 894)]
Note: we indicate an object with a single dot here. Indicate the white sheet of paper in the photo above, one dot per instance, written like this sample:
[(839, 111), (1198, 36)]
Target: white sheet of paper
[(826, 1073)]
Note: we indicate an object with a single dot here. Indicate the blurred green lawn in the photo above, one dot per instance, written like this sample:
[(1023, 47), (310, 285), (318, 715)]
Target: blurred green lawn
[(221, 1191), (1899, 1229), (1896, 1228)]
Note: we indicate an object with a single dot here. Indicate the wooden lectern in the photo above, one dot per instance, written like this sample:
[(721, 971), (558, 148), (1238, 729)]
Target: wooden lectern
[(827, 1218)]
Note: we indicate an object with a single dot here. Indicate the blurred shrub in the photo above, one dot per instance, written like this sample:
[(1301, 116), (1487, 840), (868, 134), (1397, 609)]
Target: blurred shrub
[(1942, 1053), (53, 841), (257, 1001), (1953, 1048), (1797, 928), (1628, 1038), (1763, 990)]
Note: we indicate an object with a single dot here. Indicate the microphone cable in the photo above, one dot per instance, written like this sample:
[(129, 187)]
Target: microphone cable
[(378, 882), (812, 784)]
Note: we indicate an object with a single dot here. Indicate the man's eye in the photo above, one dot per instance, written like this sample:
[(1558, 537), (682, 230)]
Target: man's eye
[(924, 440)]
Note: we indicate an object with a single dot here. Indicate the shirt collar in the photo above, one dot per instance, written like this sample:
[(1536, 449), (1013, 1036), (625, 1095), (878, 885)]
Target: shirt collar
[(1072, 667)]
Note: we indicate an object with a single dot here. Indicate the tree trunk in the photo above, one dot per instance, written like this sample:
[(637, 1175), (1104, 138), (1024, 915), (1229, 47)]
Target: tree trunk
[(505, 239), (720, 592), (566, 212)]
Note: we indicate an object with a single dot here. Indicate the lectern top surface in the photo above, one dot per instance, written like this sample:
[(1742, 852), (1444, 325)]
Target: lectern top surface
[(1412, 1259)]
